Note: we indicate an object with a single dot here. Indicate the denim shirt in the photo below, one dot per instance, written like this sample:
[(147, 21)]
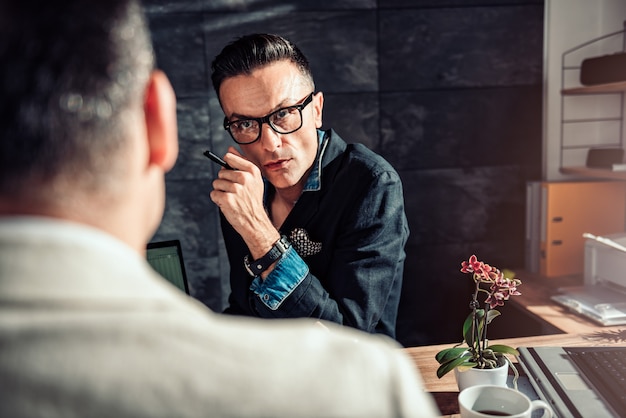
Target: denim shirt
[(352, 207), (291, 269)]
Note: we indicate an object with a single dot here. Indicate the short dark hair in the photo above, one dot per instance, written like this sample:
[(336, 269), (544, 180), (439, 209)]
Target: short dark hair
[(250, 52), (69, 70)]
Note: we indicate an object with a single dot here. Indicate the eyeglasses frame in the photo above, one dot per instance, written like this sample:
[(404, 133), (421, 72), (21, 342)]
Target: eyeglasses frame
[(266, 119)]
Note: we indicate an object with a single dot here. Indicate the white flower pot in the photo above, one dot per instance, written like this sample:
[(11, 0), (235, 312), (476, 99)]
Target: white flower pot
[(474, 377)]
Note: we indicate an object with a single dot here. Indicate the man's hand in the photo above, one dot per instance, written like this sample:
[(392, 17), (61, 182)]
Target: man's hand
[(239, 195)]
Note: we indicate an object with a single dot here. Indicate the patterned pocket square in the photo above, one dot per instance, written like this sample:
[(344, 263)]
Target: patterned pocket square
[(301, 241)]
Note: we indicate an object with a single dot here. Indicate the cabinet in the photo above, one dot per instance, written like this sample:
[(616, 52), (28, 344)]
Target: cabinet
[(591, 116), (568, 209)]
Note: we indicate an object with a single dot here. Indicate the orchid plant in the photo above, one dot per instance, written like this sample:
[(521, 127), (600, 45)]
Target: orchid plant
[(478, 353)]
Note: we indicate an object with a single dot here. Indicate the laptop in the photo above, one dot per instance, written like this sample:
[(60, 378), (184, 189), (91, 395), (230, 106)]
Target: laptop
[(602, 297), (166, 257), (578, 382)]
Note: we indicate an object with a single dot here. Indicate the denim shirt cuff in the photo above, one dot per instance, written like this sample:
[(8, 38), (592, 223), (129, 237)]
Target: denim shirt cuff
[(288, 273)]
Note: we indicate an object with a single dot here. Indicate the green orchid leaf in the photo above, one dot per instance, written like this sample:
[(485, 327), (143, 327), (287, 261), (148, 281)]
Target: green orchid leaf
[(448, 354), (451, 365), (492, 314), (467, 327), (505, 349), (440, 356)]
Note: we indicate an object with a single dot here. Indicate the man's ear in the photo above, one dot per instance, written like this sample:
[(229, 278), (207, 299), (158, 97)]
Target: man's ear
[(161, 124), (318, 105)]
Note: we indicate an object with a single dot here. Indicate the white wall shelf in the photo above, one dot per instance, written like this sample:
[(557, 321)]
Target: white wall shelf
[(592, 116)]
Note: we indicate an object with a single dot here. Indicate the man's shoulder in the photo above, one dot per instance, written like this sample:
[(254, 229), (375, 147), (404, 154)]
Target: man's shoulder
[(307, 340), (370, 373)]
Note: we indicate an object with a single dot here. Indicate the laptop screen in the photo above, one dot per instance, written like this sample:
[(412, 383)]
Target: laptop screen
[(166, 257)]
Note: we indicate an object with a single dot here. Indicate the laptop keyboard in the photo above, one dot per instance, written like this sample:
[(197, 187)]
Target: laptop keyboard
[(605, 368)]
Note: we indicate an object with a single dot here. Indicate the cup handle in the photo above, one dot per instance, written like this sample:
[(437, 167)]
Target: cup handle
[(542, 405)]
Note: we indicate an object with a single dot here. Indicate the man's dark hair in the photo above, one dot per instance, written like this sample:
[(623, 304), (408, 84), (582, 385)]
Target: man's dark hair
[(247, 53), (69, 71)]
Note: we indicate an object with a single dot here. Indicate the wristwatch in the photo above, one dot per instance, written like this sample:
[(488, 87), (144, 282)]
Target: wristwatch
[(256, 267)]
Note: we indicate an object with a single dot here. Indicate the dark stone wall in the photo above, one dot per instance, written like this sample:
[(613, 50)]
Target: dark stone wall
[(450, 92)]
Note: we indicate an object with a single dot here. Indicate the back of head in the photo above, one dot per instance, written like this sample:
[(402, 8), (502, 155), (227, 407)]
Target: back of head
[(69, 73), (249, 52)]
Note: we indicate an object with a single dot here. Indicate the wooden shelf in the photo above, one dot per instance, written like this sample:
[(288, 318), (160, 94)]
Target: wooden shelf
[(603, 173), (599, 88)]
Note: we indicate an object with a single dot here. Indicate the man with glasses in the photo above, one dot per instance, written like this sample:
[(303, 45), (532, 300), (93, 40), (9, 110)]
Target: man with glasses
[(313, 227)]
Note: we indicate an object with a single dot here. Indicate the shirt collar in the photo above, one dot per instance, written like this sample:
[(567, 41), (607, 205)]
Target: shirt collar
[(314, 181)]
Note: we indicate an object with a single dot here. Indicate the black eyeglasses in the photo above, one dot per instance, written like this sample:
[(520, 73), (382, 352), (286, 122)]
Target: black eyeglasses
[(283, 121)]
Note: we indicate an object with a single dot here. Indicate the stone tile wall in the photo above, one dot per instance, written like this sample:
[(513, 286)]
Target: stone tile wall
[(449, 91)]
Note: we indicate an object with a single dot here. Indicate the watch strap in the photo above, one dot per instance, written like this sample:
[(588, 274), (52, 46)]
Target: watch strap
[(256, 267)]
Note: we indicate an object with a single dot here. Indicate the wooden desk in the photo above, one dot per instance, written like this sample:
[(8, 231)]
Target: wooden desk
[(445, 390)]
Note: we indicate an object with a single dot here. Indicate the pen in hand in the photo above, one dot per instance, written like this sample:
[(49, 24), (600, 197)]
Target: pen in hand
[(211, 156)]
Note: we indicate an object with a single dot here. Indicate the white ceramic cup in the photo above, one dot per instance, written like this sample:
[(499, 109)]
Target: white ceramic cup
[(491, 401)]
